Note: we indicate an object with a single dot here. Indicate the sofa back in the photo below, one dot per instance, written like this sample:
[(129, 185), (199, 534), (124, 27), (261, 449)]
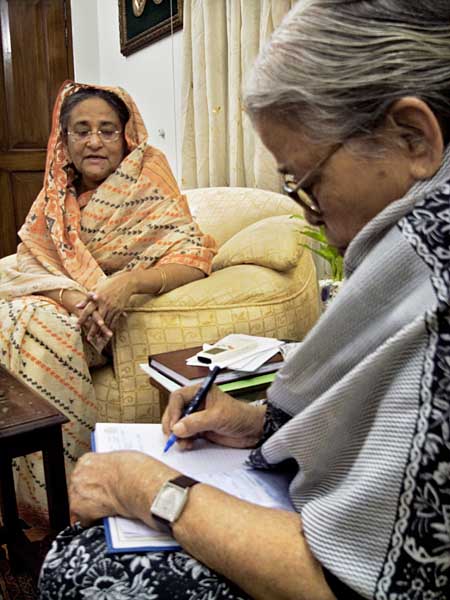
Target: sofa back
[(223, 211)]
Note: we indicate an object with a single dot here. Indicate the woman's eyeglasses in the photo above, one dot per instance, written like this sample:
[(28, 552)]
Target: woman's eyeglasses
[(294, 189), (106, 134)]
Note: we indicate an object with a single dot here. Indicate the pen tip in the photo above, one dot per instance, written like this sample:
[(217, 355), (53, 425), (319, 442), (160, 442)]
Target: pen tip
[(170, 442)]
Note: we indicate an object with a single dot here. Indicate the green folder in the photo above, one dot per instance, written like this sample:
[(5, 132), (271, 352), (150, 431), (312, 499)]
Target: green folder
[(248, 382)]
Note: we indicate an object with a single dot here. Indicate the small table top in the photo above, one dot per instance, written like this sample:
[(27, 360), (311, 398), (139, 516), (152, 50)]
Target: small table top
[(22, 409)]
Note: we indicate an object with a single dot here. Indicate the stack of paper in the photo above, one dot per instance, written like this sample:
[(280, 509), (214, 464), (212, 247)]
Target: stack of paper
[(259, 350), (253, 371)]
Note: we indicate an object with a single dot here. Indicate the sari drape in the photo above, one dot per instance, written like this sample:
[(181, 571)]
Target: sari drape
[(137, 218)]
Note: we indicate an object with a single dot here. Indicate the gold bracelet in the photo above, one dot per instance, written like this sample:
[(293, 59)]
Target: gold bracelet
[(60, 295), (163, 280)]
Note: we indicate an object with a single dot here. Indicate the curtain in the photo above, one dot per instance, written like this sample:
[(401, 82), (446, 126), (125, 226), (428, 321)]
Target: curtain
[(221, 41)]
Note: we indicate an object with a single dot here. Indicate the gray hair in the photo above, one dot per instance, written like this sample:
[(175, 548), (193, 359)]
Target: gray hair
[(334, 67)]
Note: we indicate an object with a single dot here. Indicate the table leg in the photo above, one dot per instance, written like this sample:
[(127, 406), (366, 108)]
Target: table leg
[(8, 503), (11, 532), (55, 479)]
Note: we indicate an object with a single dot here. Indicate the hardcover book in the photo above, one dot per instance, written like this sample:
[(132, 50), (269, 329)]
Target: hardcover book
[(173, 365)]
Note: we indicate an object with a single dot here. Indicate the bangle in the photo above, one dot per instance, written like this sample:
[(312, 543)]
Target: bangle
[(60, 295), (163, 280)]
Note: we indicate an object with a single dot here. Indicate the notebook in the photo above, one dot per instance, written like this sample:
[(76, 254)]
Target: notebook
[(216, 465)]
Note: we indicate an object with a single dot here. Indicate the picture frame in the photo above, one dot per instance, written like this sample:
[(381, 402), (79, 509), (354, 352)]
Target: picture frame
[(143, 22)]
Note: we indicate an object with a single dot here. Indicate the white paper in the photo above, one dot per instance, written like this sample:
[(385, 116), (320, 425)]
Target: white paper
[(149, 438), (216, 465), (263, 349), (253, 362)]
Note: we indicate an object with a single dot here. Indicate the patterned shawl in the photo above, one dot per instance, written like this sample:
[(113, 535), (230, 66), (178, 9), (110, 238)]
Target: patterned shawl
[(363, 407), (135, 219)]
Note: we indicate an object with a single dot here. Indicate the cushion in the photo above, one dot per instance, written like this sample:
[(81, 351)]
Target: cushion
[(224, 211), (273, 242)]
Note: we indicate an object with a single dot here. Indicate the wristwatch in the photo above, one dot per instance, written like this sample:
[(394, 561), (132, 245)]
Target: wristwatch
[(170, 502)]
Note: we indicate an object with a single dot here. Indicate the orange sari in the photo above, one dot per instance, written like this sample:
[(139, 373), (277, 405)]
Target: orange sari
[(137, 218)]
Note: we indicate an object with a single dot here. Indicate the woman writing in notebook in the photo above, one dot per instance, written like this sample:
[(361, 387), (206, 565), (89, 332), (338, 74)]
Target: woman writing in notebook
[(353, 100)]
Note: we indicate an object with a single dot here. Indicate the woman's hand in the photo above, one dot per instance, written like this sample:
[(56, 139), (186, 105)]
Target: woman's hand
[(94, 327), (115, 483), (223, 420), (110, 297)]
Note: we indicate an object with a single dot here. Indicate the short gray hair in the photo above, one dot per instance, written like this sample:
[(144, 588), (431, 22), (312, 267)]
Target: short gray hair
[(334, 67)]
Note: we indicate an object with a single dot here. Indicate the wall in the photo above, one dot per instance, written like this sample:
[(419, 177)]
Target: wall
[(85, 41), (147, 74)]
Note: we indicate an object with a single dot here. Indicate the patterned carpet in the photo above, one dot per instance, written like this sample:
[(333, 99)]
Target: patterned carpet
[(15, 587), (20, 585)]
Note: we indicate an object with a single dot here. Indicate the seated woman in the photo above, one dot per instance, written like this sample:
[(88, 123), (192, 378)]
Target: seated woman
[(353, 100), (109, 222)]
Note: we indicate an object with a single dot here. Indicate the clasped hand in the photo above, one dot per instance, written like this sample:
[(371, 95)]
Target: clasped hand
[(104, 305)]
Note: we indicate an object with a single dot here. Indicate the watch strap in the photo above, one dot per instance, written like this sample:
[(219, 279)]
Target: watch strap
[(184, 482)]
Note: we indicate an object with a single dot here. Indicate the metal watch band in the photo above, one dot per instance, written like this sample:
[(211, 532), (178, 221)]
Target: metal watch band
[(184, 482)]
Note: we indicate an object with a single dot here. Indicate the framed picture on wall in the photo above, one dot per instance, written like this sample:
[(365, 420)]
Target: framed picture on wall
[(143, 22)]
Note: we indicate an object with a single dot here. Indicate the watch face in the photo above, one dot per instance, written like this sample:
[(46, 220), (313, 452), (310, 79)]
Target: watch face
[(169, 502)]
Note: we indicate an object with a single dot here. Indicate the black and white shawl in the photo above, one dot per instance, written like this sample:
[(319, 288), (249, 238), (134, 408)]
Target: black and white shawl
[(364, 408)]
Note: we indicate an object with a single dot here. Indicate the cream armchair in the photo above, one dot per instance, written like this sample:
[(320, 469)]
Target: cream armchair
[(263, 283)]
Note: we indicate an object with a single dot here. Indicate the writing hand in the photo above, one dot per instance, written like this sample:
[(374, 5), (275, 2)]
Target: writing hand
[(223, 420)]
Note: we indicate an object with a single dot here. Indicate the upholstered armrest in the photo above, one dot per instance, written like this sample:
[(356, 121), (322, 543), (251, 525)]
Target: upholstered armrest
[(243, 298)]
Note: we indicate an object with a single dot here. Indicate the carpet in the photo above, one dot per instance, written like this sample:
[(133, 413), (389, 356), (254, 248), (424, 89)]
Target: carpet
[(21, 585), (15, 586)]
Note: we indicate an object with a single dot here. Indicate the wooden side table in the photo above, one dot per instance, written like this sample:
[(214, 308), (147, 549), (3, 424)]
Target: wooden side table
[(28, 423)]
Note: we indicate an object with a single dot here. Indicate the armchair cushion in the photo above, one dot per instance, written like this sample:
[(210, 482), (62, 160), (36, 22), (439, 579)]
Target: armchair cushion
[(274, 242)]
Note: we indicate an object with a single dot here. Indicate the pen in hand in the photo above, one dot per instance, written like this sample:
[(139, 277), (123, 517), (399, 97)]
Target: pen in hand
[(193, 405)]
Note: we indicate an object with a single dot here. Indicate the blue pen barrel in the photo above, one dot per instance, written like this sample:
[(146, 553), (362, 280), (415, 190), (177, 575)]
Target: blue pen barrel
[(194, 404), (202, 392)]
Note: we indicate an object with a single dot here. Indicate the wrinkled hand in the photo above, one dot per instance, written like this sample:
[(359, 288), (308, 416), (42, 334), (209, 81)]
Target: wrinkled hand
[(115, 483), (109, 297), (223, 420)]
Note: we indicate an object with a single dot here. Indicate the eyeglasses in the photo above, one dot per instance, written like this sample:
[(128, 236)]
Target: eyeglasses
[(294, 189), (106, 135)]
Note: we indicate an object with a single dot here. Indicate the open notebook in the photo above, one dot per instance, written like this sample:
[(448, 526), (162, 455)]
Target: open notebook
[(216, 465)]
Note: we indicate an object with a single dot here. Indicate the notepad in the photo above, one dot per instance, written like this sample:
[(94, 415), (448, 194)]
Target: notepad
[(216, 465)]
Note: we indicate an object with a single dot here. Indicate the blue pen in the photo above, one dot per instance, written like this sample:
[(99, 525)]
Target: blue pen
[(195, 402)]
